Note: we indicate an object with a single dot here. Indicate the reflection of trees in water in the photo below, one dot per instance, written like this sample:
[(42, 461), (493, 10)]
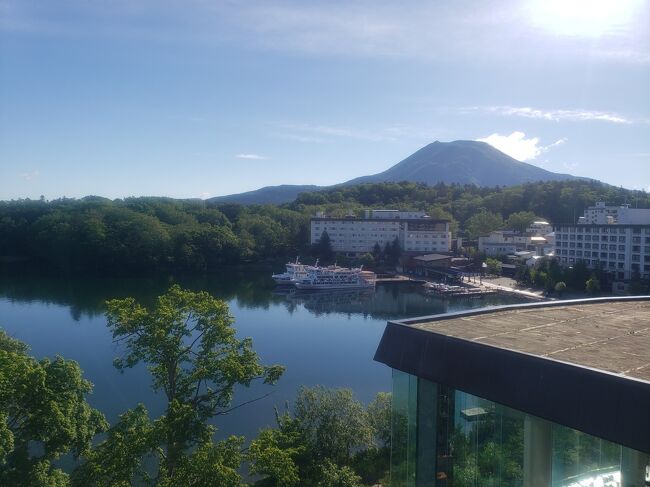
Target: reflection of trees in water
[(251, 287)]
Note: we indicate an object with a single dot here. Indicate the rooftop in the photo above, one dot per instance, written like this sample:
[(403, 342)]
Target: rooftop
[(611, 336), (583, 364)]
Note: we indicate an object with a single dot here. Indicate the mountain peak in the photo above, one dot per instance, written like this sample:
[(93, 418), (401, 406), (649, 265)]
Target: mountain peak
[(462, 162), (459, 161)]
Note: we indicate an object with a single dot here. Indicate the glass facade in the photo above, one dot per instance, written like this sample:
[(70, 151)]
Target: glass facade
[(446, 437)]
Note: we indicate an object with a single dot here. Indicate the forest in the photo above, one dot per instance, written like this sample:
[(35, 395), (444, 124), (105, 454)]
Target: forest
[(96, 235)]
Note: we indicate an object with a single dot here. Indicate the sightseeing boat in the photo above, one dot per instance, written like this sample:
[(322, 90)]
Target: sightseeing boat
[(294, 272), (335, 277)]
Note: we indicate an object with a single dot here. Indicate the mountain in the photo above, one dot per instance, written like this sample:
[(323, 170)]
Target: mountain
[(461, 161), (268, 195)]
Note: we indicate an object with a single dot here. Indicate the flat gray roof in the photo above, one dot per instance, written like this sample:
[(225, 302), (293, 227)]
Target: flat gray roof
[(610, 336), (584, 363)]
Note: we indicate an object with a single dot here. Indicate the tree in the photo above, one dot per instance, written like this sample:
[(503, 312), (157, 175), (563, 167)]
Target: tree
[(379, 412), (494, 266), (323, 249), (393, 251), (333, 475), (593, 285), (560, 287), (320, 440), (43, 415), (376, 251), (520, 221), (367, 260), (189, 346), (483, 223)]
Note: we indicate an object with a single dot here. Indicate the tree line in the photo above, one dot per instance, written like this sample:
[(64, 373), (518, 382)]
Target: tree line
[(187, 341), (142, 235)]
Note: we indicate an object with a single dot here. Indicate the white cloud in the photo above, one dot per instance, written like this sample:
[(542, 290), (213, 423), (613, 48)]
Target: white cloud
[(205, 195), (31, 175), (516, 145), (577, 115), (252, 157)]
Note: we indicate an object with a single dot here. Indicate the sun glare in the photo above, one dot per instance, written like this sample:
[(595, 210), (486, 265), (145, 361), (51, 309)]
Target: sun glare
[(583, 18)]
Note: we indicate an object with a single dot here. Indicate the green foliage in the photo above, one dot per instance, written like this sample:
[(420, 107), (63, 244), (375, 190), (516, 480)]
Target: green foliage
[(550, 276), (189, 346), (43, 415), (367, 260), (493, 266), (521, 220), (333, 475), (323, 248), (592, 285), (482, 223), (328, 437), (379, 414), (333, 422), (277, 452), (119, 460), (139, 235)]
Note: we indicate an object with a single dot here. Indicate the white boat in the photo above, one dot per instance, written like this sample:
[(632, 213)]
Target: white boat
[(294, 272), (335, 277)]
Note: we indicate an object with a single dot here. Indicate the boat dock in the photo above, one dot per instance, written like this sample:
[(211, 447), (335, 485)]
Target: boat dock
[(398, 278)]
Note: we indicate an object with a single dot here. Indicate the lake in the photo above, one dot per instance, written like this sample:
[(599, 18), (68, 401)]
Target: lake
[(321, 338)]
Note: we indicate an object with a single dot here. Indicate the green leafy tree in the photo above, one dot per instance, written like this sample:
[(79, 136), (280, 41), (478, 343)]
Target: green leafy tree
[(277, 453), (593, 285), (376, 252), (521, 220), (560, 287), (379, 414), (43, 415), (334, 423), (189, 346), (326, 427), (367, 260), (482, 223), (333, 475), (494, 266), (323, 248), (393, 251)]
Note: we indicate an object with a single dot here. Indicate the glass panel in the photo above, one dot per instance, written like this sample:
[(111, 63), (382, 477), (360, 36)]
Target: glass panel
[(581, 459), (487, 442), (447, 438), (403, 425)]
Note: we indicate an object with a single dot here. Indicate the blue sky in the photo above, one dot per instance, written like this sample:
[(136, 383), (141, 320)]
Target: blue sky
[(199, 98)]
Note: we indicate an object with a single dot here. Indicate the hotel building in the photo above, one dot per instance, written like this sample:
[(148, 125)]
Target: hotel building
[(616, 239), (415, 231), (551, 394)]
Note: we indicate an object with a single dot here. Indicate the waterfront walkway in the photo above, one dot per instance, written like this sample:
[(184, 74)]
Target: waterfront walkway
[(507, 285)]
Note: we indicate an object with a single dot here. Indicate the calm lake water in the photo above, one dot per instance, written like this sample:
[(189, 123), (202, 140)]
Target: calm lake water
[(321, 338)]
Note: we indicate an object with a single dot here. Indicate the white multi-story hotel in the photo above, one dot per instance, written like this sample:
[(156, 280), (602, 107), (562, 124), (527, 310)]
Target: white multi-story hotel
[(415, 231), (616, 239)]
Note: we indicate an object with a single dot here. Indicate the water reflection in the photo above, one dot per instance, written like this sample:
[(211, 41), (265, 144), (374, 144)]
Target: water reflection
[(250, 288), (326, 338)]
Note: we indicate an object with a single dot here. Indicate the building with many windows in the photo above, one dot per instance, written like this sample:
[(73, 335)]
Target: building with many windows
[(415, 231), (552, 394), (539, 238), (615, 239)]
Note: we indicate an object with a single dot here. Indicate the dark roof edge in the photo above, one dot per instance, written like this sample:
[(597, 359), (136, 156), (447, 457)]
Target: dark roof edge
[(604, 404)]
